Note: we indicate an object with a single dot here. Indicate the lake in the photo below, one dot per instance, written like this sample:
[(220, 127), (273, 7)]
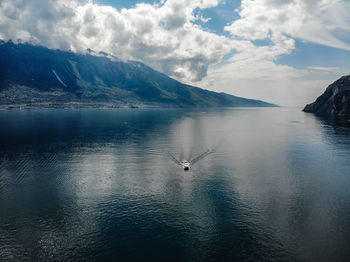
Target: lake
[(99, 184)]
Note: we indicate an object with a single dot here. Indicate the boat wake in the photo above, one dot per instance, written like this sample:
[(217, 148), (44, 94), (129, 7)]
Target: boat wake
[(187, 163)]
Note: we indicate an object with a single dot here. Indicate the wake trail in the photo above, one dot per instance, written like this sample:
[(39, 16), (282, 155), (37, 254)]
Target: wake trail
[(201, 156)]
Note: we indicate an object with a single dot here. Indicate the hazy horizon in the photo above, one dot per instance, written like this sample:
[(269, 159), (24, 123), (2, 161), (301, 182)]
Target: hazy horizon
[(281, 51), (104, 156)]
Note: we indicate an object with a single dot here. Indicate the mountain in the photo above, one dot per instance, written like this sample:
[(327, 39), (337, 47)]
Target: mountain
[(37, 76), (335, 101)]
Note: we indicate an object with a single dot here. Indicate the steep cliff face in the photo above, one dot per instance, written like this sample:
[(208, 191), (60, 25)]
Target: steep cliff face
[(335, 101)]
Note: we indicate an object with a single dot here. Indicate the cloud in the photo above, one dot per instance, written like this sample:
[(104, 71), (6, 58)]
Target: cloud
[(253, 72), (319, 21), (161, 35), (259, 78), (324, 69), (166, 37), (265, 80)]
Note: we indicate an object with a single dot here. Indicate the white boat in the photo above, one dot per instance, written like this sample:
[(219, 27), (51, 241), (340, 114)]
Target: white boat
[(186, 165)]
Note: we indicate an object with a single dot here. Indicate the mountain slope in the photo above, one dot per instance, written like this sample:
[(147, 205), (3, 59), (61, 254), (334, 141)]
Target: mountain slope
[(335, 101), (37, 75)]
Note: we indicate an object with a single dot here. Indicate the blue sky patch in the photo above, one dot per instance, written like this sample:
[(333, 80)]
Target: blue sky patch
[(310, 54)]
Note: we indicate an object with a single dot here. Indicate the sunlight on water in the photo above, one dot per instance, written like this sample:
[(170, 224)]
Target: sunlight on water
[(99, 184)]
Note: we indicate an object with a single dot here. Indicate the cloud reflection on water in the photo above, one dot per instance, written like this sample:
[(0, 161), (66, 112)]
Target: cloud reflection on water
[(101, 184)]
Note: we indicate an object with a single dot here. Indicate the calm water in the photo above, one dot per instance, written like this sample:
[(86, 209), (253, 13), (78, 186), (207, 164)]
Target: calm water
[(99, 185)]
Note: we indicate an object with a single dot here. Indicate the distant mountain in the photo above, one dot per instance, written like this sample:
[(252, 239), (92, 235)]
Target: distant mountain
[(335, 101), (37, 76)]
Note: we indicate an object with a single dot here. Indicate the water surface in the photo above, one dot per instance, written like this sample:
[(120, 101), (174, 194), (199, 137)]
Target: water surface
[(99, 184)]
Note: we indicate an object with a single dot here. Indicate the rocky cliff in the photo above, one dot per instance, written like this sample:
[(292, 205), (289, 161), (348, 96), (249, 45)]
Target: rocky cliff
[(335, 101)]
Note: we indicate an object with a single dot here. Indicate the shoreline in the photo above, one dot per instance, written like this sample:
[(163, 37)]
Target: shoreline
[(49, 105), (70, 106)]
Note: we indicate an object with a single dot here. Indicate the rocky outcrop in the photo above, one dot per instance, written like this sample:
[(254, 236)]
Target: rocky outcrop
[(335, 101)]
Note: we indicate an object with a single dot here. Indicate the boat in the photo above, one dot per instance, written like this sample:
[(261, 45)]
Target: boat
[(186, 165)]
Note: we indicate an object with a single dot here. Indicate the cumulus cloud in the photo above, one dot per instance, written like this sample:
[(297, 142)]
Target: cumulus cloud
[(166, 37), (253, 72), (161, 35), (318, 21)]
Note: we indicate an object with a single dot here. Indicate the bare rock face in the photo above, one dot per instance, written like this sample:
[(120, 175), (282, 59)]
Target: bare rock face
[(335, 101)]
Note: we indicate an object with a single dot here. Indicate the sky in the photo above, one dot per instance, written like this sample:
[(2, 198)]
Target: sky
[(281, 51)]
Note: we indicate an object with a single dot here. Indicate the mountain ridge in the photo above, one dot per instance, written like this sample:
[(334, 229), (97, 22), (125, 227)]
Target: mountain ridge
[(37, 76)]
